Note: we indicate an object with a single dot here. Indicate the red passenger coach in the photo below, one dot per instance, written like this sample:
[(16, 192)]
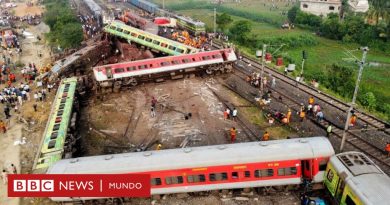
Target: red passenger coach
[(242, 165), (129, 73)]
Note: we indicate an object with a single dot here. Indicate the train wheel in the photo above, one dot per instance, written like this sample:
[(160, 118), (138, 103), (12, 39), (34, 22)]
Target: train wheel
[(216, 68), (228, 69), (117, 84), (130, 81), (133, 82), (209, 71)]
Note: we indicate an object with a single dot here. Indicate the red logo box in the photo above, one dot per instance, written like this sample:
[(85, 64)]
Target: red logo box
[(78, 185)]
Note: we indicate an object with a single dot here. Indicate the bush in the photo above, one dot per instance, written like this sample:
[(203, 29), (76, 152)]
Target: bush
[(368, 100)]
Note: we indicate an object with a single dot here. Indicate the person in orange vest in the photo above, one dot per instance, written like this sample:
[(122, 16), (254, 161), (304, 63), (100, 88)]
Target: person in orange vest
[(352, 121), (302, 115), (265, 136), (288, 115), (225, 115), (2, 126), (388, 149), (311, 100), (232, 134)]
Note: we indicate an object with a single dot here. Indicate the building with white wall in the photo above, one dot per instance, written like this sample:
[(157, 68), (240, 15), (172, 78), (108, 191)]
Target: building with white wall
[(320, 7)]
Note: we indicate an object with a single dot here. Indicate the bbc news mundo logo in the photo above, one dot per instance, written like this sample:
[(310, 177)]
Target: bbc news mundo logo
[(81, 185)]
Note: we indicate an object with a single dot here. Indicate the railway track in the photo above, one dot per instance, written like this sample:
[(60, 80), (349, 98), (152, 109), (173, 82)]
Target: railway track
[(355, 140)]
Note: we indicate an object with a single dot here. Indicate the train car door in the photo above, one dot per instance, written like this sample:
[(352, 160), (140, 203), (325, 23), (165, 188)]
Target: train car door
[(340, 189), (225, 56), (307, 170), (108, 72)]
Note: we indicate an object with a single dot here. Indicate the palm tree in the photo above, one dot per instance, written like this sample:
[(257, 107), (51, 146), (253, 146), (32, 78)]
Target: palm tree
[(379, 10)]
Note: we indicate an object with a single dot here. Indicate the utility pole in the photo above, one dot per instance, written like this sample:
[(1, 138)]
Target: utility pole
[(215, 21), (262, 70), (361, 66)]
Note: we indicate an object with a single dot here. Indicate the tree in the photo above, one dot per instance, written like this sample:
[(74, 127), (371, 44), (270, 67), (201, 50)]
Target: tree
[(292, 14), (240, 30), (379, 9), (223, 20)]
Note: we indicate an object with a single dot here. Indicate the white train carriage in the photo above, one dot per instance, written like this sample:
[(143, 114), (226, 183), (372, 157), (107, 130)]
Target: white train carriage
[(128, 72), (252, 164)]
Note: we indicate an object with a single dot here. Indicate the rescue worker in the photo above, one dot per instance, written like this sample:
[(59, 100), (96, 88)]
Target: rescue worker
[(232, 134), (328, 131), (288, 116), (352, 121), (2, 126), (387, 149), (159, 146), (265, 136), (302, 115), (225, 115), (234, 114), (311, 100)]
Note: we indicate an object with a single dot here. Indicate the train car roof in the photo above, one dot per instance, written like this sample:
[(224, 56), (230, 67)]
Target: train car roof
[(167, 58), (93, 6), (240, 153), (148, 3), (365, 178), (190, 20)]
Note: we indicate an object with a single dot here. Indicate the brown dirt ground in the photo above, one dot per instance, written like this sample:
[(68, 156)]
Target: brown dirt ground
[(22, 9)]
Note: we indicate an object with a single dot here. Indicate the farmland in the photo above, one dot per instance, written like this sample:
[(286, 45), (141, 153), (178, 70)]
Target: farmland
[(266, 23)]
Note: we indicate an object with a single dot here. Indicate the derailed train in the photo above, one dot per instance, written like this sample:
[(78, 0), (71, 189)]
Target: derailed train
[(252, 164), (129, 73)]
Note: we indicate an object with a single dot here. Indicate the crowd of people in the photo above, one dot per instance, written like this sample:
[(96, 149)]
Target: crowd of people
[(90, 25)]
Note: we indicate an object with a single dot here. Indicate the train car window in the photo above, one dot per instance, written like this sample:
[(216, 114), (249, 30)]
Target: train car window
[(174, 180), (234, 175), (188, 51), (112, 27), (148, 39), (218, 176), (119, 70), (206, 57), (119, 29), (156, 42), (281, 172), (216, 56), (134, 35), (131, 68), (349, 201), (164, 45), (165, 63), (126, 32), (141, 37), (172, 48), (142, 66), (323, 165), (180, 50), (330, 175), (193, 59), (155, 181), (196, 178), (186, 60), (150, 65), (247, 173), (264, 173), (175, 62)]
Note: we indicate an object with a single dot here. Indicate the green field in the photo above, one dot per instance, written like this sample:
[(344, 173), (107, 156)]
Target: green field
[(326, 52)]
